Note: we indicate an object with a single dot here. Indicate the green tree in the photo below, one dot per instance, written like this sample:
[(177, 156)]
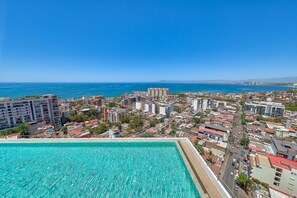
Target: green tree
[(243, 121), (112, 104), (196, 121), (243, 181), (161, 120), (200, 149), (127, 118), (178, 109), (152, 123), (116, 124), (146, 135), (245, 141), (291, 107), (101, 129), (64, 129), (79, 118), (23, 129), (87, 128), (172, 133), (93, 113), (136, 122), (64, 120)]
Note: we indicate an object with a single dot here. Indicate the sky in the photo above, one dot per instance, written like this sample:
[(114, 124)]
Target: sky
[(146, 40)]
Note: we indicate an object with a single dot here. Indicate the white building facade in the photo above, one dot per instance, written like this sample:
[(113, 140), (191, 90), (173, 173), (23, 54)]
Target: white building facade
[(271, 109), (37, 109), (201, 104), (166, 109)]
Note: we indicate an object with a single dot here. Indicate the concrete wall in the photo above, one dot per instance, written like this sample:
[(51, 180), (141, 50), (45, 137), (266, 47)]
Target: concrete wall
[(287, 183)]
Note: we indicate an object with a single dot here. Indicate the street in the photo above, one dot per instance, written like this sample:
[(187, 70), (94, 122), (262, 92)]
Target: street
[(233, 152)]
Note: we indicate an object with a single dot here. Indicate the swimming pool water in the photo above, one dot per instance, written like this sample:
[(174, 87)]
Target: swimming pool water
[(121, 169)]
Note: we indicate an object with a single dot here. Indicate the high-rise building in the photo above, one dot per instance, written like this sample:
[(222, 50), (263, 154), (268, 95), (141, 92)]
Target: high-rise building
[(271, 109), (98, 100), (157, 93), (150, 108), (30, 109), (165, 109), (116, 115), (201, 104), (139, 105)]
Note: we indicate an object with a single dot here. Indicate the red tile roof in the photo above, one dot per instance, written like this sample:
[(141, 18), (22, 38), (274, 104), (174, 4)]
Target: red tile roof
[(291, 130), (282, 162), (256, 148), (214, 132)]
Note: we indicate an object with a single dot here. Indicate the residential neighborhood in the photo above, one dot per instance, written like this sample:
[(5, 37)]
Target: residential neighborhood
[(248, 140)]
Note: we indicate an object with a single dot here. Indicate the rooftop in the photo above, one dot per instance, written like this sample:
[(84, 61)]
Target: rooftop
[(282, 162), (273, 161), (217, 127)]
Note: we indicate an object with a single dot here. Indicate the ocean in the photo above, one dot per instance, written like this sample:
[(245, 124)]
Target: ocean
[(78, 90)]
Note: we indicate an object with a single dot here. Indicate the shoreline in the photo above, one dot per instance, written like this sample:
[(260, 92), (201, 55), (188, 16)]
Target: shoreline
[(77, 90)]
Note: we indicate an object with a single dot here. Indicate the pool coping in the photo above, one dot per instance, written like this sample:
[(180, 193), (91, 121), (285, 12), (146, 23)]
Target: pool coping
[(194, 159), (195, 179)]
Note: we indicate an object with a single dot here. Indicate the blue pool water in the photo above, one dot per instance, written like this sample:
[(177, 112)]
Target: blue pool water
[(150, 169)]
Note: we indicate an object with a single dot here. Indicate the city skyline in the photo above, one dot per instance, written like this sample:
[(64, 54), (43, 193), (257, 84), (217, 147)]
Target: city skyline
[(148, 41)]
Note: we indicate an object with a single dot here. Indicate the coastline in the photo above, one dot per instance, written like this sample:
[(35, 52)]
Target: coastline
[(77, 90)]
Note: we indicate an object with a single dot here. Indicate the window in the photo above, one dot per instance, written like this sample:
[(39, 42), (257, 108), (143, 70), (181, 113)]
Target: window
[(278, 174)]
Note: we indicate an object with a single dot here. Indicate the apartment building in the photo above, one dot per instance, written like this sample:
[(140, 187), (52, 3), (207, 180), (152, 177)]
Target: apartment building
[(30, 109), (150, 108), (115, 115), (201, 104), (166, 109), (158, 93), (139, 105), (279, 173), (271, 109), (99, 101)]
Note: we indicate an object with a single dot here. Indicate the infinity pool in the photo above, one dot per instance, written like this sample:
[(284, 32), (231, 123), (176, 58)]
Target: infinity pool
[(117, 169)]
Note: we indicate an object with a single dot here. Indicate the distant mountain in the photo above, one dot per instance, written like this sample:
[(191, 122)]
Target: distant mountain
[(269, 80), (199, 81), (277, 80)]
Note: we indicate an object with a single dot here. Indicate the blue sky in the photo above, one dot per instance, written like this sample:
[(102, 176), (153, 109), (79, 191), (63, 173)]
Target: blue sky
[(146, 40)]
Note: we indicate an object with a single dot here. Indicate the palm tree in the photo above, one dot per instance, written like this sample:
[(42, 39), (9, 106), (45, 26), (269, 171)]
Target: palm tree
[(243, 181)]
